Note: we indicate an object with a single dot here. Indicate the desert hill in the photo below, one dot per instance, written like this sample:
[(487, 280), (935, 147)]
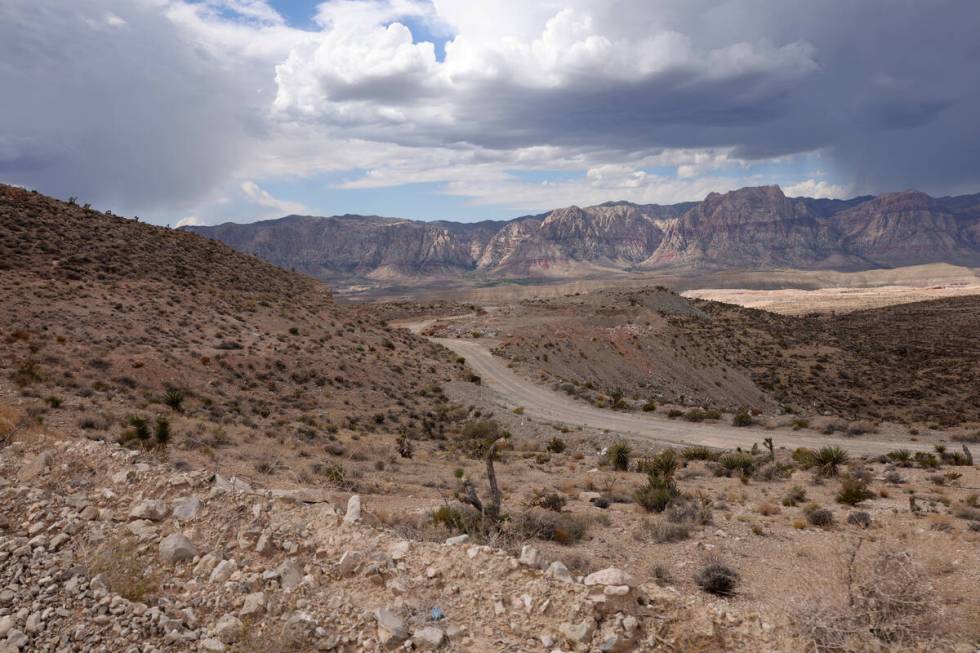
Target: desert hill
[(914, 362), (747, 229), (107, 319)]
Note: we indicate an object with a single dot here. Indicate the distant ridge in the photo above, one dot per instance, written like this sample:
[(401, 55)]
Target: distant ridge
[(755, 228)]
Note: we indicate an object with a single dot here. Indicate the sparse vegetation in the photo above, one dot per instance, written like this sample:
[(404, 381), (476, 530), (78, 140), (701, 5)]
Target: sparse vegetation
[(717, 578)]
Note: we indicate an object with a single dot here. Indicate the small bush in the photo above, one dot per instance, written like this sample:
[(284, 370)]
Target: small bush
[(174, 398), (718, 579), (663, 532), (742, 419), (548, 501), (618, 456), (139, 429), (859, 519), (650, 406), (738, 461), (795, 495), (656, 495), (663, 464), (901, 457), (805, 458), (556, 445), (162, 431), (818, 516), (698, 453), (828, 459)]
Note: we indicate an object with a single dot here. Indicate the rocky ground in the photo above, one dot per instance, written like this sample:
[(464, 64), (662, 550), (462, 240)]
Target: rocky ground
[(108, 549)]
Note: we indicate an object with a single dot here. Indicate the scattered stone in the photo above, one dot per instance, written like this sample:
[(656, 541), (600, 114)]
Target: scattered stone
[(530, 557), (559, 571), (577, 633), (35, 468), (429, 638), (290, 575), (610, 576), (391, 628), (459, 539), (223, 571), (229, 629), (353, 514), (255, 604), (211, 645), (151, 509), (186, 508), (176, 547)]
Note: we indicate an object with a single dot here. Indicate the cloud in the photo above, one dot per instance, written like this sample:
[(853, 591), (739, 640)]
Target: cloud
[(164, 107), (815, 188), (262, 198)]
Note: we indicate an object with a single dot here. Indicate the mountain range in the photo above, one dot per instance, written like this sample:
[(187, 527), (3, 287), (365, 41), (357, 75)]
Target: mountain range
[(754, 228)]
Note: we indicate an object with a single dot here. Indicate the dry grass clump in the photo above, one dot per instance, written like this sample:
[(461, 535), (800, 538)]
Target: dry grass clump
[(882, 601), (117, 561)]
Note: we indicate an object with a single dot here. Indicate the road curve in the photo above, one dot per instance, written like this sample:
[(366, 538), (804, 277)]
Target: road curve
[(545, 404)]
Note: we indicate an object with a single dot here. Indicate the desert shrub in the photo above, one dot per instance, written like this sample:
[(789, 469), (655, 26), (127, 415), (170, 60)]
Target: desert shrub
[(665, 464), (548, 501), (139, 429), (801, 424), (649, 406), (404, 446), (853, 491), (860, 519), (561, 528), (742, 419), (656, 494), (829, 459), (665, 532), (717, 578), (901, 457), (161, 432), (926, 460), (773, 472), (894, 477), (118, 561), (695, 415), (795, 495), (698, 453), (674, 413), (174, 399), (805, 458), (818, 516), (693, 511), (336, 474), (618, 456), (479, 435), (884, 603), (556, 445), (737, 461)]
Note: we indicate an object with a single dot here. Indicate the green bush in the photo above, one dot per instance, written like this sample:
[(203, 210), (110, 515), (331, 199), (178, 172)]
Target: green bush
[(742, 419), (828, 459), (618, 456), (795, 495), (663, 464), (738, 461), (174, 398), (699, 453), (162, 431), (556, 445), (718, 579), (853, 491)]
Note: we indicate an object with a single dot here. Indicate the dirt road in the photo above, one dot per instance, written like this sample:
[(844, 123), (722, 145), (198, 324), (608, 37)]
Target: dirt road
[(542, 403)]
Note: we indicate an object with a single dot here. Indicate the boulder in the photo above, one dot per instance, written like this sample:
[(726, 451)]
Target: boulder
[(151, 509), (177, 547), (255, 604), (223, 571), (609, 576), (429, 638), (353, 514), (391, 628), (290, 575), (186, 508), (35, 467), (229, 629)]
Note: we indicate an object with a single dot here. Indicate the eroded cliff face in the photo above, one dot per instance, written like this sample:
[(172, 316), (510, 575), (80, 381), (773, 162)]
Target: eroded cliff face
[(750, 228)]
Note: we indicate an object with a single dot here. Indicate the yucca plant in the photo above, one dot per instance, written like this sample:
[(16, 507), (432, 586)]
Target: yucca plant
[(829, 459)]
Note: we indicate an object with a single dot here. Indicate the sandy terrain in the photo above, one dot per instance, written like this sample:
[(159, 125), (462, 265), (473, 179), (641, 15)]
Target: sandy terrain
[(799, 301)]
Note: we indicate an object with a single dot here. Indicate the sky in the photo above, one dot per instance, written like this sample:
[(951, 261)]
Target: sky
[(207, 111)]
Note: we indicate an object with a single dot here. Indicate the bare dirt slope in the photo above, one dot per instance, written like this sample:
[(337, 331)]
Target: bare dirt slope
[(915, 363)]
